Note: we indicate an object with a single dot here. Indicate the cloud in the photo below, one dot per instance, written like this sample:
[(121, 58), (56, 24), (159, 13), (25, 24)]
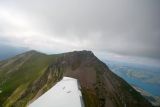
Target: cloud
[(123, 27)]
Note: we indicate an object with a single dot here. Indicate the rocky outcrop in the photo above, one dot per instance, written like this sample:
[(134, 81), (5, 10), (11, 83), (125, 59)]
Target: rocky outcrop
[(100, 86)]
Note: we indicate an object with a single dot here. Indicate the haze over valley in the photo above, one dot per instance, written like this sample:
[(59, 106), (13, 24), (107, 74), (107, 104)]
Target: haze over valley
[(111, 48)]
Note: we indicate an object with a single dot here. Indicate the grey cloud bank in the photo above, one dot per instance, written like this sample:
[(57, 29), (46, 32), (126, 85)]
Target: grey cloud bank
[(118, 26)]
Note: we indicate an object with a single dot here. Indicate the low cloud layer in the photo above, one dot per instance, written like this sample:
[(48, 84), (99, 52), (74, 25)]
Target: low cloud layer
[(117, 26)]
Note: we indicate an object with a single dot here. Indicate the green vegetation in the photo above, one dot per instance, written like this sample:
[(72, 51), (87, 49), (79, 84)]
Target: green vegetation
[(25, 77), (15, 79), (90, 99)]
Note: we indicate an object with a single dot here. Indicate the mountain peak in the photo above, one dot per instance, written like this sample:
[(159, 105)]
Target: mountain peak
[(33, 52), (100, 86), (83, 52)]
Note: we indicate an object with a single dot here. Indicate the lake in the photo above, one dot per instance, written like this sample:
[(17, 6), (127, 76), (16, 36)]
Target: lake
[(142, 76)]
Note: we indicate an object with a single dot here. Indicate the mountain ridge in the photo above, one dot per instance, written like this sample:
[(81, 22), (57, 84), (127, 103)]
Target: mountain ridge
[(100, 86)]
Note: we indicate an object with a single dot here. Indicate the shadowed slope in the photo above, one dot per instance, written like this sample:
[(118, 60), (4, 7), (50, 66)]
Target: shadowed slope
[(34, 73)]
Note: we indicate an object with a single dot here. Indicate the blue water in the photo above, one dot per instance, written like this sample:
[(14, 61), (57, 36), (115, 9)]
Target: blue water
[(151, 72)]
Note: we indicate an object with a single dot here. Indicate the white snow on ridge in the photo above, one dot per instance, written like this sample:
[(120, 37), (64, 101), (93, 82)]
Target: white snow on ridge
[(65, 93)]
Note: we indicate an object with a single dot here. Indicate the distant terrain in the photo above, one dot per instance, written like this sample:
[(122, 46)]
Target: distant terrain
[(27, 76), (142, 77), (7, 51)]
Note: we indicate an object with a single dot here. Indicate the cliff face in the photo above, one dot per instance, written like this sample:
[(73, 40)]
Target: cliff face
[(100, 87)]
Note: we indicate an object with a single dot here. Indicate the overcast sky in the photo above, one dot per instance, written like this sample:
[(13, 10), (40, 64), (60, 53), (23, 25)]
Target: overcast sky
[(122, 27)]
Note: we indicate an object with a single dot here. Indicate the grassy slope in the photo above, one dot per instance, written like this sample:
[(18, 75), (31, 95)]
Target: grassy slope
[(99, 85), (16, 82)]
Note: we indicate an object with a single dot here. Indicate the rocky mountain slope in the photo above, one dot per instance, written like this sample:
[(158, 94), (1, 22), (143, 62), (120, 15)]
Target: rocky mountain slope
[(25, 77)]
